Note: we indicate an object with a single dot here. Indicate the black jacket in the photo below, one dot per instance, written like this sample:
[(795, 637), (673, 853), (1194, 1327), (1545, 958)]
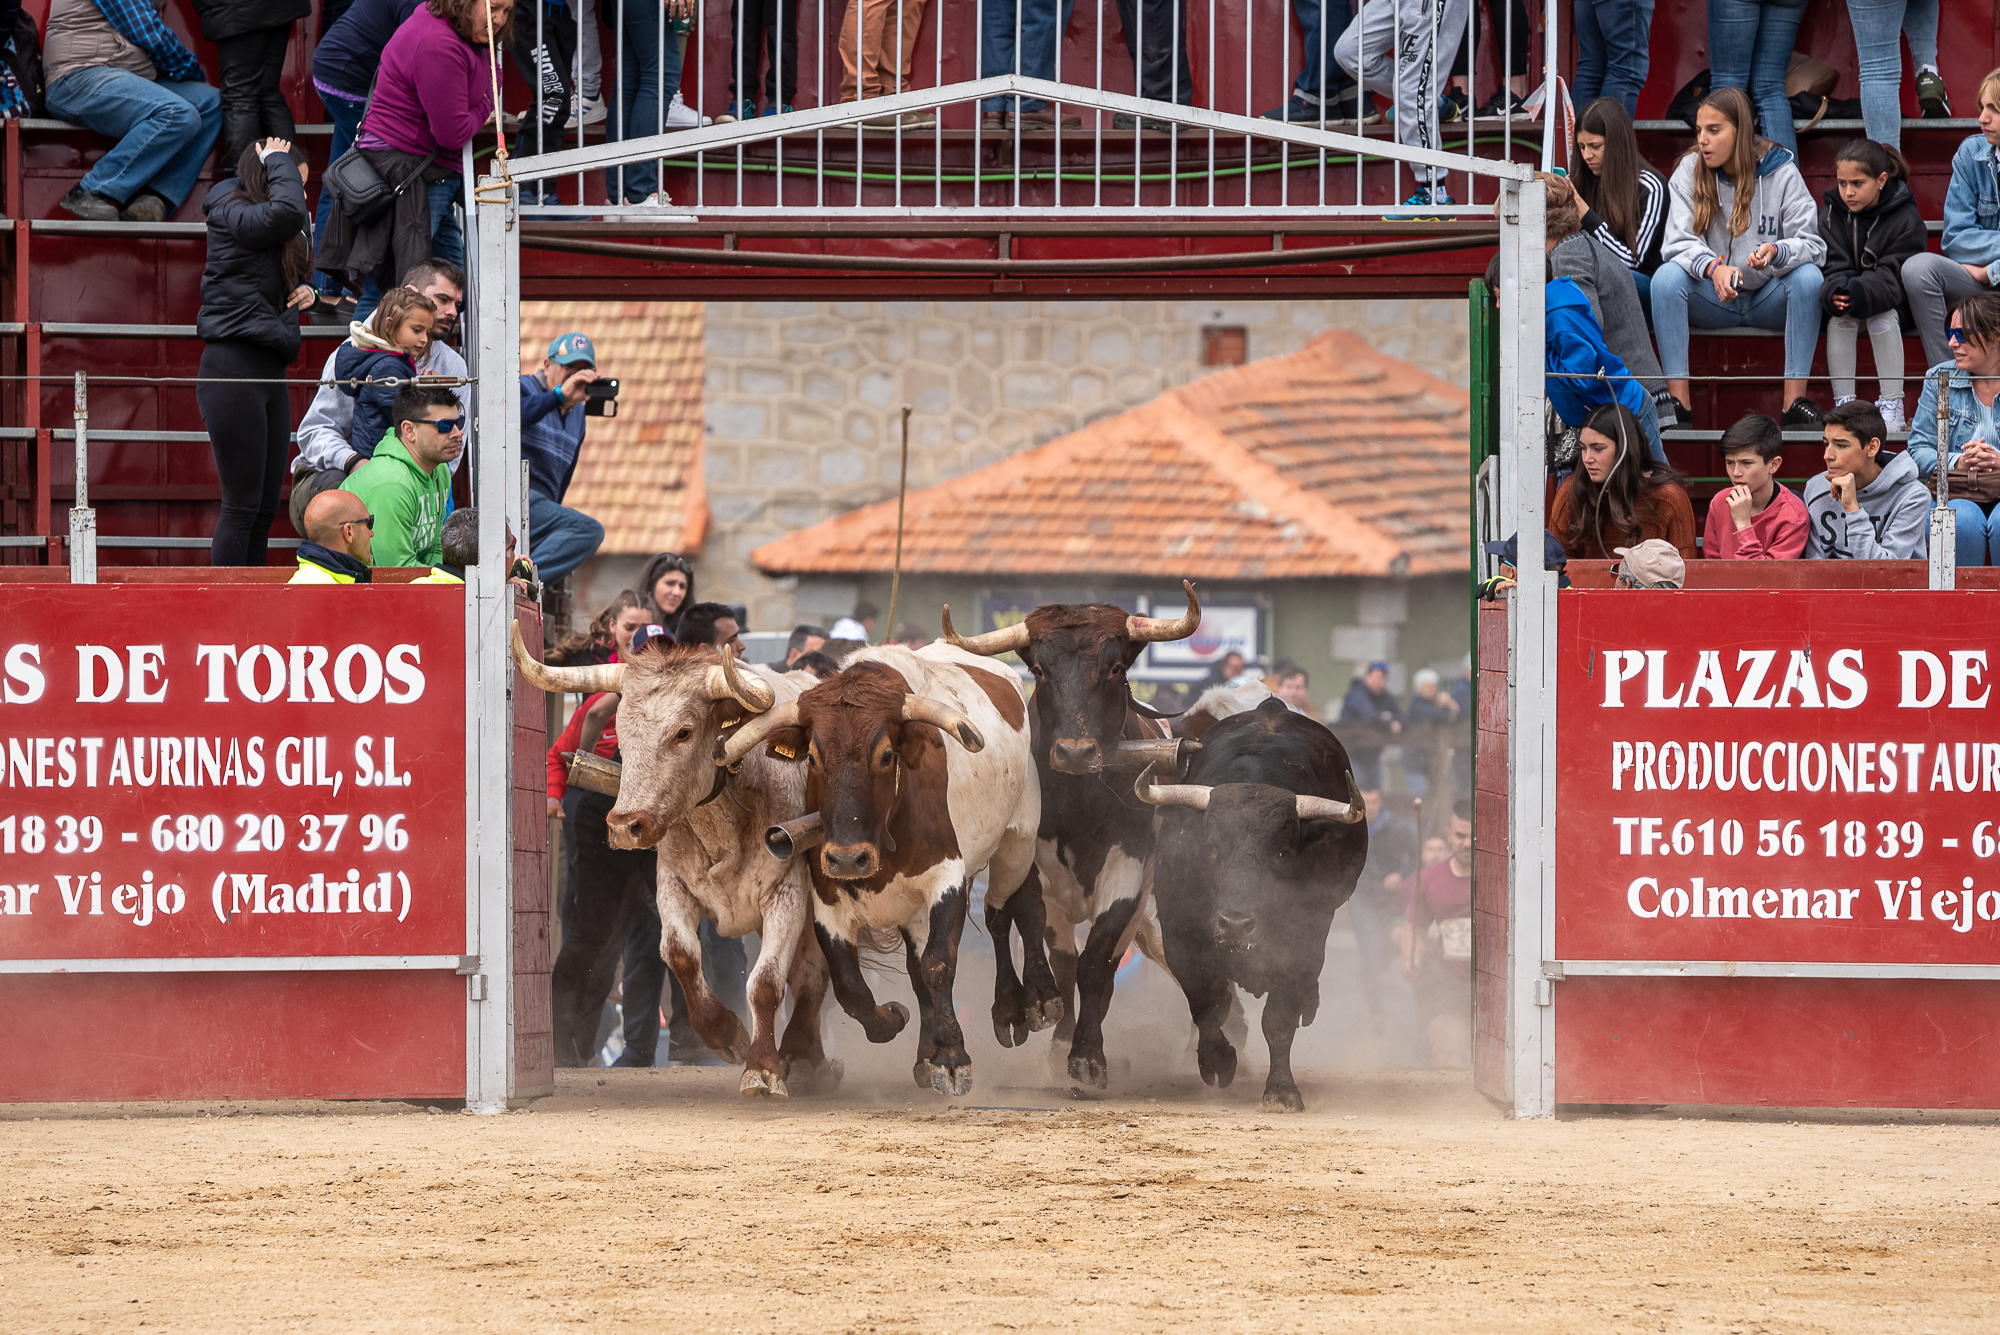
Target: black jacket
[(243, 288), (224, 19), (1865, 251)]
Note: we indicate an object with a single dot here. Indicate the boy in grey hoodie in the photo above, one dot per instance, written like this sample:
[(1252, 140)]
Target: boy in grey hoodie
[(1860, 508)]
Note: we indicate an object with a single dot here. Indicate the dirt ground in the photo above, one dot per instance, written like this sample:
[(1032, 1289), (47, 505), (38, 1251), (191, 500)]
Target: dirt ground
[(659, 1200)]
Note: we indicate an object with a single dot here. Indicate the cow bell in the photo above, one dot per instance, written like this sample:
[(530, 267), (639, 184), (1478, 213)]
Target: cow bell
[(786, 841), (1130, 757), (593, 773)]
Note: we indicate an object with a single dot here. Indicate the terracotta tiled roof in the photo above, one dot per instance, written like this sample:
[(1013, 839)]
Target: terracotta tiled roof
[(1335, 460), (640, 474)]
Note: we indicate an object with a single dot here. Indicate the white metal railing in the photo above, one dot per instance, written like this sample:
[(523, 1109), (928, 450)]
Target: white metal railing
[(1018, 107)]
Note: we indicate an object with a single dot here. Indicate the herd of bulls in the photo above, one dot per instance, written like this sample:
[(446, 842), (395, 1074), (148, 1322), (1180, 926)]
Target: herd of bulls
[(860, 809)]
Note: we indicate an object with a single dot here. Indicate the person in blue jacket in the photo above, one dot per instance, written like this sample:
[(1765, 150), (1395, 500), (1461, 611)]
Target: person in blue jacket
[(552, 428), (1577, 355), (379, 358)]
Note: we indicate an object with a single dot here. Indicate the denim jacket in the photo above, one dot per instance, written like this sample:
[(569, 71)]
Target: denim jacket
[(1972, 205), (1963, 420)]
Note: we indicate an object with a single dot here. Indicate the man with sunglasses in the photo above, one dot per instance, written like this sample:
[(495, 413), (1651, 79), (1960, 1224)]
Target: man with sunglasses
[(408, 482), (339, 531)]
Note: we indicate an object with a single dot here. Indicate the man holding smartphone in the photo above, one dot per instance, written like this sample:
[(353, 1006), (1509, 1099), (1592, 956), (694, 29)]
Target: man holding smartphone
[(553, 416)]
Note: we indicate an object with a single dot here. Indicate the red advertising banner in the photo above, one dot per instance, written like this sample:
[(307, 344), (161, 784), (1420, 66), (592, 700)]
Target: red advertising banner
[(1777, 776), (230, 771)]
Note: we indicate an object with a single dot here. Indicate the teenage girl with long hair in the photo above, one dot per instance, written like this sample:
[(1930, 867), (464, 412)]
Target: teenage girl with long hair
[(1618, 496), (1626, 199)]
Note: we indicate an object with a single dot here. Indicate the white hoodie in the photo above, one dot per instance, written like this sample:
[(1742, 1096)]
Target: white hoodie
[(1782, 210)]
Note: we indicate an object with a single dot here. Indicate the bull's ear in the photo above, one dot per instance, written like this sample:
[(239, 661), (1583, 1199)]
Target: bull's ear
[(786, 744), (727, 715)]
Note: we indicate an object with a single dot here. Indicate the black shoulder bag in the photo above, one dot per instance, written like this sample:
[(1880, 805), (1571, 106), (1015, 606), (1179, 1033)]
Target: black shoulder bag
[(357, 187)]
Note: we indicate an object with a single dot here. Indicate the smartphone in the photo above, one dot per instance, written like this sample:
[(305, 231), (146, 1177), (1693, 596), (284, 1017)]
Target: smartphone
[(602, 389)]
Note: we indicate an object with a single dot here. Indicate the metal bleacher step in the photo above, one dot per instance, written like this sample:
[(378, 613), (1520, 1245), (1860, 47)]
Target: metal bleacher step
[(63, 329), (1698, 436)]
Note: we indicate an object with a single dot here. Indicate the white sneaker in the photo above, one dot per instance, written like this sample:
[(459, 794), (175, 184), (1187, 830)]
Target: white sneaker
[(1892, 414), (595, 109), (659, 199), (681, 116)]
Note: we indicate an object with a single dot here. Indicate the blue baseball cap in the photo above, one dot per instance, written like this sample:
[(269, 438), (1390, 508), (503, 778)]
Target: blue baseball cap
[(571, 349)]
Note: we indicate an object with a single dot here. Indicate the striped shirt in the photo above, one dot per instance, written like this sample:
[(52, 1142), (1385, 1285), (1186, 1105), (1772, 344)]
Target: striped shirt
[(1644, 252)]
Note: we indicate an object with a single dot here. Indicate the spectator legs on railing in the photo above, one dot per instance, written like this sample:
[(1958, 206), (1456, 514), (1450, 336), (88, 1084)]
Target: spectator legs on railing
[(1164, 73), (1515, 32), (645, 88), (547, 69), (1750, 47), (164, 131), (766, 29), (1612, 50), (253, 97), (562, 538), (1040, 29), (1934, 285), (1368, 52), (1323, 91), (874, 59)]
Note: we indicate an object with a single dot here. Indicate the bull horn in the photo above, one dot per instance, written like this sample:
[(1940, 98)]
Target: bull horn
[(1149, 630), (1351, 812), (745, 688), (1014, 637), (923, 709), (730, 749), (1191, 795), (597, 677)]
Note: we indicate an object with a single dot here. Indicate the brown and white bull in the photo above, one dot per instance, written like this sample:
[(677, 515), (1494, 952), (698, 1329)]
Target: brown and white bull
[(918, 765), (1095, 845), (675, 705)]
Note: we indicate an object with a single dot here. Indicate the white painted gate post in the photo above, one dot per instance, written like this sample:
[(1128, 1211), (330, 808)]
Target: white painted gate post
[(1531, 685), (489, 668)]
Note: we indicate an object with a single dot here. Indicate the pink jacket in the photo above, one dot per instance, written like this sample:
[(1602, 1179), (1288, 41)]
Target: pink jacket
[(1778, 534), (433, 93)]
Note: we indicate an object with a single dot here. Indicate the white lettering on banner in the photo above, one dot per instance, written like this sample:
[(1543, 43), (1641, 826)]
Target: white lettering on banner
[(264, 673), (1620, 666), (24, 680), (1759, 662), (235, 894), (1656, 698), (1800, 688), (1933, 671)]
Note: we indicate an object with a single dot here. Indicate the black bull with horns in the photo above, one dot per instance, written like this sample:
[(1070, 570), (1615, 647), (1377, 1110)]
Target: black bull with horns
[(1257, 848)]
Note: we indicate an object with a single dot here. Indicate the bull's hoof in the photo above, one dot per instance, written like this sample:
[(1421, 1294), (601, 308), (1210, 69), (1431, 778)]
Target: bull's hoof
[(889, 1021), (950, 1081), (1089, 1072), (1044, 1013), (921, 1073), (820, 1077), (736, 1053), (1011, 1031), (1218, 1063), (1282, 1099), (763, 1085)]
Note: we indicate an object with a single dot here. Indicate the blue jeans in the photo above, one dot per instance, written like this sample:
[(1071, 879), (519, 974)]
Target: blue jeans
[(1790, 303), (1749, 47), (562, 539), (1978, 533), (1644, 282), (447, 239), (1612, 41), (1320, 24), (1877, 26), (1040, 32), (345, 117), (645, 88), (164, 130)]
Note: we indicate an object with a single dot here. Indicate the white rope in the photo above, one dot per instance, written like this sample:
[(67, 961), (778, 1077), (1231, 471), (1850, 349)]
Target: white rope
[(481, 194)]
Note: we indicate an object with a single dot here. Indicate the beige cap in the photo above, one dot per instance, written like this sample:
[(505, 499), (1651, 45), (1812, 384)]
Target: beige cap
[(1653, 564)]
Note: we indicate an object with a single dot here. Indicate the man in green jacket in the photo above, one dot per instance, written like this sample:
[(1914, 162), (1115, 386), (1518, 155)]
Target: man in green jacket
[(408, 482)]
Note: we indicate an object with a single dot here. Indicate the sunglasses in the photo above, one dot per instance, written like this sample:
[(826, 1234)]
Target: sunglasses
[(448, 425), (1954, 335), (369, 520)]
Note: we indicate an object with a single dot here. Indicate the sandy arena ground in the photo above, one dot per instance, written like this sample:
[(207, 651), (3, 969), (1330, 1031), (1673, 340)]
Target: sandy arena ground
[(660, 1201)]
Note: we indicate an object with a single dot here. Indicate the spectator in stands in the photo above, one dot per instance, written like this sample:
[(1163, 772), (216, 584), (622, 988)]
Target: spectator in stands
[(1871, 225), (1583, 373), (817, 664), (1434, 720), (1436, 849), (1292, 684), (1227, 669), (325, 458), (1039, 29), (1861, 509), (1879, 26), (877, 40), (1613, 38), (339, 531), (763, 34), (458, 548), (1379, 895), (1610, 288), (1160, 28), (1429, 32), (252, 286), (1617, 498), (343, 70), (433, 92), (408, 480), (1516, 36), (1624, 198), (712, 623), (552, 427), (860, 626), (1759, 518), (1428, 702), (1936, 283), (1749, 51), (1652, 564), (805, 639), (115, 67), (1323, 91), (1371, 720), (1973, 450), (1437, 955), (669, 582), (250, 39), (1740, 254), (378, 358), (649, 81)]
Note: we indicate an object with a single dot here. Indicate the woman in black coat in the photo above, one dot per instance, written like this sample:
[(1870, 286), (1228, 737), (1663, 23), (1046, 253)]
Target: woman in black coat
[(1871, 224), (250, 37), (259, 256)]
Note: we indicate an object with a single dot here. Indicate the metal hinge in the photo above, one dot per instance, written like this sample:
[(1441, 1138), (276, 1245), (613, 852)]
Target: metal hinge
[(476, 987), (1544, 992)]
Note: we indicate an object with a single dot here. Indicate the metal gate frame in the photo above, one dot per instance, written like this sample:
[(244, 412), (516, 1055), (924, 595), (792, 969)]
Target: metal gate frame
[(492, 1077)]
